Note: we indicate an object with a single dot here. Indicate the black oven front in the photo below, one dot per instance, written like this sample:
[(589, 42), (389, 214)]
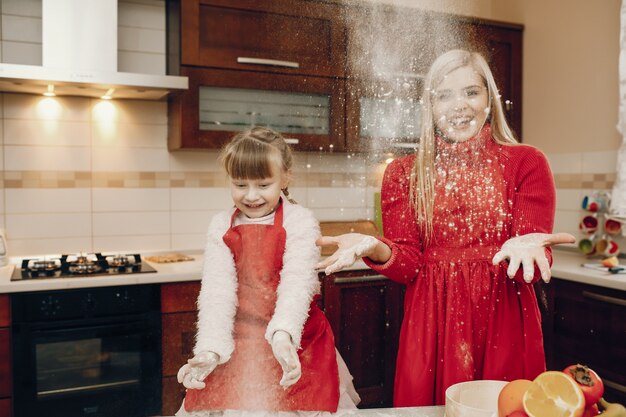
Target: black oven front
[(87, 352)]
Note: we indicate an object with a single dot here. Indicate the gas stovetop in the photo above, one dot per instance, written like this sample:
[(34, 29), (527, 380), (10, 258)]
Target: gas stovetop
[(80, 266)]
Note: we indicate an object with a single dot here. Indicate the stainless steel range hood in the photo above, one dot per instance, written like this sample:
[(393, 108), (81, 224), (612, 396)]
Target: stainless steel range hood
[(79, 43)]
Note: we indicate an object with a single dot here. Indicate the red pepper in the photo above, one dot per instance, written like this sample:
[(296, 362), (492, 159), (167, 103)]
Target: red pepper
[(590, 383)]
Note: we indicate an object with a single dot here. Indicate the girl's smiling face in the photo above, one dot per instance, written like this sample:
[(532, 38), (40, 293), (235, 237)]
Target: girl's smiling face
[(460, 104), (258, 197)]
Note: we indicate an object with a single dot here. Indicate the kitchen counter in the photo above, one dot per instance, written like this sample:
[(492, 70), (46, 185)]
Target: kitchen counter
[(567, 266), (437, 411)]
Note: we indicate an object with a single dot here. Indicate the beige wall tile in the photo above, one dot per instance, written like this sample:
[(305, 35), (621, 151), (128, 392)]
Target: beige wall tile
[(130, 159), (30, 8), (58, 200), (149, 15), (191, 222), (32, 107), (325, 197), (131, 224), (21, 53), (565, 162), (21, 28), (131, 199), (141, 62), (343, 214), (61, 225), (200, 199), (56, 245), (48, 158), (188, 241), (130, 243), (129, 135), (45, 132)]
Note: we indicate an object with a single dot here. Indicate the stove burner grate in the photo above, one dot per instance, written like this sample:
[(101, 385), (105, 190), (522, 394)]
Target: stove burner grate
[(82, 265)]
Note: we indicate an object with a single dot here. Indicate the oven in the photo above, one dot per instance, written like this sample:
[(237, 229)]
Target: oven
[(87, 352)]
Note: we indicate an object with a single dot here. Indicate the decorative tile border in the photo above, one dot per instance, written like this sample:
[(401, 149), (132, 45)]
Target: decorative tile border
[(137, 179)]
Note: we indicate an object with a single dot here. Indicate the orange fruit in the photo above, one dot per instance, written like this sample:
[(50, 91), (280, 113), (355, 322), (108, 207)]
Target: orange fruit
[(511, 396), (554, 394)]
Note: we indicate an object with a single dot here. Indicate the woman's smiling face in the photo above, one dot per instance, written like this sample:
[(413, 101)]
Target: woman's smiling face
[(460, 104)]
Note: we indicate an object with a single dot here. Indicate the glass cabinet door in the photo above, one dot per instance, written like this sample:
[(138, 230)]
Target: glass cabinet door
[(307, 110), (384, 116)]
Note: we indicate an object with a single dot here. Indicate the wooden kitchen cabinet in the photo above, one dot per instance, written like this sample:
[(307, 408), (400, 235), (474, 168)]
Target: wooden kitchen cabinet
[(585, 324), (302, 37), (365, 312), (390, 50), (278, 64), (178, 321), (219, 103), (6, 385)]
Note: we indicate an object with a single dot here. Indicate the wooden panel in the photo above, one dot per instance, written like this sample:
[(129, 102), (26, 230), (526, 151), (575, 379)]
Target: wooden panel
[(5, 407), (217, 33), (5, 311), (366, 227), (179, 331), (179, 296), (5, 363), (365, 313), (173, 395), (585, 324)]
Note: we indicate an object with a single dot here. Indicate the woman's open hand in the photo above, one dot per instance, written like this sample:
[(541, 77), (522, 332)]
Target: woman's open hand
[(527, 250), (351, 246)]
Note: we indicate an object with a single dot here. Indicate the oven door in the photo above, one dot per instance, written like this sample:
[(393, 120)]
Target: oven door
[(100, 367)]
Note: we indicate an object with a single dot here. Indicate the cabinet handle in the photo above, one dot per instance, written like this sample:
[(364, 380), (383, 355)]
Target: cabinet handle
[(508, 105), (605, 298), (404, 145), (292, 141), (351, 280), (264, 61), (614, 385)]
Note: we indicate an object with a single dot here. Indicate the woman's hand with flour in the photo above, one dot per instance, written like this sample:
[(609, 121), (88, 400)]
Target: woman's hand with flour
[(351, 247)]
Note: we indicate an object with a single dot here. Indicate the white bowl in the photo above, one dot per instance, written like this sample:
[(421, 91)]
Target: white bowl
[(473, 399)]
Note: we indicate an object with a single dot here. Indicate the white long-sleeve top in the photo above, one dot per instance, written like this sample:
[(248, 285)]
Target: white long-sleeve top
[(217, 302)]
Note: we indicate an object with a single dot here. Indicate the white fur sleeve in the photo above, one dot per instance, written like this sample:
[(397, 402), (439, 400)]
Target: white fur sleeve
[(217, 302), (298, 279)]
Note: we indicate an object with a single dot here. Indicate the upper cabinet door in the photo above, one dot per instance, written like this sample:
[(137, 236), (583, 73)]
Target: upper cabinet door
[(286, 36)]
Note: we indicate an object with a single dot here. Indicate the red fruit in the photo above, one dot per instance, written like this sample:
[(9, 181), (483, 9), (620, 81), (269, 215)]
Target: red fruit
[(590, 383)]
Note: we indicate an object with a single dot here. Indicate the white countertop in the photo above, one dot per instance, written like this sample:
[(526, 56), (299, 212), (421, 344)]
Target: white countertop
[(567, 265)]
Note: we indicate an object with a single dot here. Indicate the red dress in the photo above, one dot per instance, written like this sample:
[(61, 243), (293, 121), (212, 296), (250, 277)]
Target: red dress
[(464, 319), (250, 379)]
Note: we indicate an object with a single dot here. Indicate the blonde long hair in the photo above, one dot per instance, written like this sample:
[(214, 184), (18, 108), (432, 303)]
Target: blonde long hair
[(422, 192), (253, 153)]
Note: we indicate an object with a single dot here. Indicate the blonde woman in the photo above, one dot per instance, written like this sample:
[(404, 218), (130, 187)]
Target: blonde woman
[(467, 225)]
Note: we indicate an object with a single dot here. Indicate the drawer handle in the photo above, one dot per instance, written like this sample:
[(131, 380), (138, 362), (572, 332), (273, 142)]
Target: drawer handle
[(614, 385), (605, 298), (264, 61), (351, 280), (292, 141)]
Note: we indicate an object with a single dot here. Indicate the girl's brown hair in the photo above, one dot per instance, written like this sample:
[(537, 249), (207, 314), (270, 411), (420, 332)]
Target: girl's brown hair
[(255, 153)]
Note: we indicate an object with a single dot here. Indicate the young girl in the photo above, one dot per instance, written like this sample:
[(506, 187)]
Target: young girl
[(263, 345), (469, 199)]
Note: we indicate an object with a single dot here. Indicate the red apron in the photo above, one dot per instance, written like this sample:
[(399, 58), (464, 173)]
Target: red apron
[(250, 379)]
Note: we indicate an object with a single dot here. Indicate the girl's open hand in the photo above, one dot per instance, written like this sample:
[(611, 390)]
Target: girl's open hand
[(527, 250), (285, 353), (351, 247), (194, 372)]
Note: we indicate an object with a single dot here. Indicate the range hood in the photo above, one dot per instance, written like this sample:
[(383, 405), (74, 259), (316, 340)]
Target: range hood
[(79, 45)]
